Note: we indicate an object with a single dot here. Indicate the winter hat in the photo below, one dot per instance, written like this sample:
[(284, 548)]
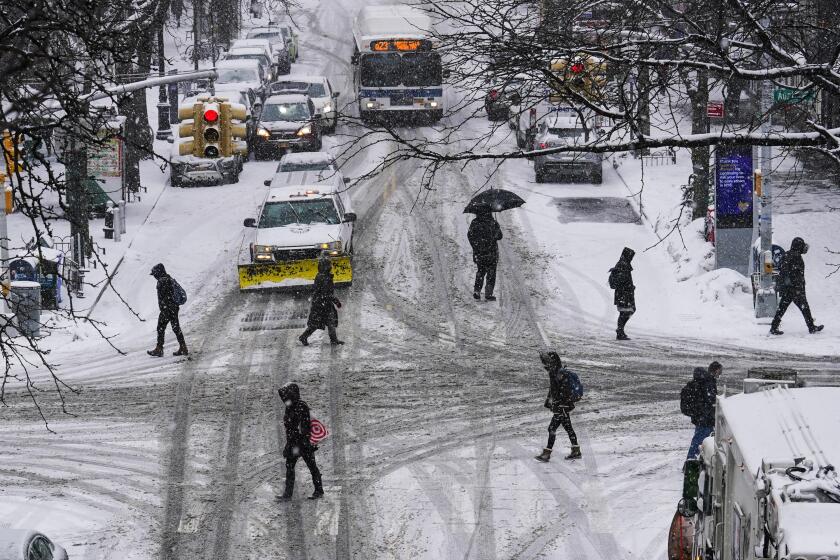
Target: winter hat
[(158, 270), (551, 359), (798, 245), (627, 254)]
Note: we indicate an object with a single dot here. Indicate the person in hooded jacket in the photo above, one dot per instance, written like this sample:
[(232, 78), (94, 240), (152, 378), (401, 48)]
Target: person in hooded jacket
[(322, 312), (697, 401), (561, 402), (484, 235), (791, 285), (168, 313), (296, 422), (621, 280)]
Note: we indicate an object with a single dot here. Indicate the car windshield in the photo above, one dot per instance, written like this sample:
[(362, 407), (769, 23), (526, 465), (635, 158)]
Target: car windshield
[(311, 89), (271, 36), (257, 57), (286, 167), (568, 132), (233, 75), (392, 69), (285, 112), (280, 214)]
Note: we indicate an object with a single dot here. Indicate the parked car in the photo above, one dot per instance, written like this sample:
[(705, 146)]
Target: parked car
[(563, 129), (319, 90), (287, 122), (275, 37), (241, 75), (254, 53), (25, 544)]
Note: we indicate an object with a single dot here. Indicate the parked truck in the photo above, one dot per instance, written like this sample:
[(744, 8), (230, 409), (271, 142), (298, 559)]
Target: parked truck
[(764, 485)]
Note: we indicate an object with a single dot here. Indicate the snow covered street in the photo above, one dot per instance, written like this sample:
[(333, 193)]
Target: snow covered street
[(435, 403)]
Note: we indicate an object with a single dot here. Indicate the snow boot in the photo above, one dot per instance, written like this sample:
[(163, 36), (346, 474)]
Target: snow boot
[(815, 328), (303, 340), (490, 297), (776, 331), (619, 335), (545, 456), (336, 342), (575, 454), (476, 295), (284, 497), (317, 494), (157, 352), (181, 351)]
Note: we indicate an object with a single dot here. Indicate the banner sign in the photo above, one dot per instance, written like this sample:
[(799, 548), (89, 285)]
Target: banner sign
[(734, 187)]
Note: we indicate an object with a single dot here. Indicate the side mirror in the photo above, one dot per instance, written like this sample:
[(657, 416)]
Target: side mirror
[(267, 182), (250, 222), (347, 180), (349, 217)]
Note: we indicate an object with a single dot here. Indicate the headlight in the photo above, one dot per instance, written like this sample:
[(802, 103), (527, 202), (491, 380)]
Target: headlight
[(263, 253), (327, 108), (263, 133), (433, 104), (370, 104), (305, 130), (333, 247)]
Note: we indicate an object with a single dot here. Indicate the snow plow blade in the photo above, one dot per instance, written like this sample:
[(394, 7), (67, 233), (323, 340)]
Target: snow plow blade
[(291, 274)]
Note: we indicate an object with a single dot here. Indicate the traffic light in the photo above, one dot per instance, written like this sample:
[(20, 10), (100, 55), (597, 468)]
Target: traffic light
[(233, 129), (186, 129), (211, 129)]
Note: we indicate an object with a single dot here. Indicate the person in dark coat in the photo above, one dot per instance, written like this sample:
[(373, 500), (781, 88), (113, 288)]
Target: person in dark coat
[(791, 283), (484, 235), (296, 422), (621, 280), (697, 401), (561, 402), (168, 313), (323, 313)]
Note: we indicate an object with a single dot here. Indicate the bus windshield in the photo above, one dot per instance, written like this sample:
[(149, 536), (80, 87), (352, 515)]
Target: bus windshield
[(392, 69)]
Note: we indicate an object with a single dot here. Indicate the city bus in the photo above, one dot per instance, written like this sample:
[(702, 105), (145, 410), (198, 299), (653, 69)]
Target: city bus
[(397, 70)]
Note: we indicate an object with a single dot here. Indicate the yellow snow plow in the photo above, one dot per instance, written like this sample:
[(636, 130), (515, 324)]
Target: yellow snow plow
[(291, 274)]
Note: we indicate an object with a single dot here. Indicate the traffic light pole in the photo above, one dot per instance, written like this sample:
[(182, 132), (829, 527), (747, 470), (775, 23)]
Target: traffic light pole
[(164, 132)]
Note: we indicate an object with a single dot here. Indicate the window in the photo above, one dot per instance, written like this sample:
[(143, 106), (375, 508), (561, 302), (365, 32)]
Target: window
[(305, 166), (271, 36), (381, 70), (421, 69), (317, 90), (573, 133), (233, 75), (286, 112), (315, 211)]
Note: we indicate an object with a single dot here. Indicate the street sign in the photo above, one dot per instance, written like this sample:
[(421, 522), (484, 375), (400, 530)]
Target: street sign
[(714, 109), (105, 157), (792, 95)]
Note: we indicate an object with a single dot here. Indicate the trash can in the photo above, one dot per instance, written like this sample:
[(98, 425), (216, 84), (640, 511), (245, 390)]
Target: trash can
[(25, 300)]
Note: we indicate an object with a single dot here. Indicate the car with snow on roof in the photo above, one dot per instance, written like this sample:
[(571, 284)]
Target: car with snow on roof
[(287, 122), (296, 225), (319, 90), (241, 75), (280, 51), (26, 544), (567, 126), (254, 53), (308, 168)]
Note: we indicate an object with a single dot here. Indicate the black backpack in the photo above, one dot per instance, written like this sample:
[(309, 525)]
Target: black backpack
[(612, 281), (688, 405)]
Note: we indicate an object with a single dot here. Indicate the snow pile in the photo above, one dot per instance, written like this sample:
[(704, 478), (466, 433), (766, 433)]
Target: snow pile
[(692, 254), (724, 286)]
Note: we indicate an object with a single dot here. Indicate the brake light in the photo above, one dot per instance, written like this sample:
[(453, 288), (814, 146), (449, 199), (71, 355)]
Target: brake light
[(543, 145), (494, 94)]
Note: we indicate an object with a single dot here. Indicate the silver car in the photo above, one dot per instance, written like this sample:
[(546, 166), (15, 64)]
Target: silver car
[(564, 129), (25, 544)]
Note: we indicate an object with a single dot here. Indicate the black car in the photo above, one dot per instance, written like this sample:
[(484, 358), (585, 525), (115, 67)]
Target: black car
[(498, 100), (287, 122)]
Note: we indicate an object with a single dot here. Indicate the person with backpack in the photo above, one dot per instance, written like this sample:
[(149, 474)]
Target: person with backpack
[(298, 426), (171, 296), (697, 401), (484, 235), (621, 280), (564, 391), (791, 285)]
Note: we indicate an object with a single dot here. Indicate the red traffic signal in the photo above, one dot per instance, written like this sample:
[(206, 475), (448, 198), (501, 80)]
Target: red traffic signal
[(211, 115), (577, 68)]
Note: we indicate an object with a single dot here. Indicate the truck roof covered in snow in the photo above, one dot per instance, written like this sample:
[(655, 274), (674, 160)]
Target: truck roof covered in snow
[(389, 22), (785, 423), (298, 192)]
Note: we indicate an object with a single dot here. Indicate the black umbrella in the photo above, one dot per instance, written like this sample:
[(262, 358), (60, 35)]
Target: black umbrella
[(493, 200)]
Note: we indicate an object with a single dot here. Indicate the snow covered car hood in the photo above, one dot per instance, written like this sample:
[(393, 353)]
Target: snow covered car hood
[(283, 126), (298, 235)]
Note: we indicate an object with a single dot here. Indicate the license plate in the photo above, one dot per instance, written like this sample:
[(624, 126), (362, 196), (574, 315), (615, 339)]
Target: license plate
[(281, 144)]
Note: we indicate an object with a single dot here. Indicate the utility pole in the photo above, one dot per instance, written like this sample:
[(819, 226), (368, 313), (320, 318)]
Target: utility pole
[(765, 299), (164, 131)]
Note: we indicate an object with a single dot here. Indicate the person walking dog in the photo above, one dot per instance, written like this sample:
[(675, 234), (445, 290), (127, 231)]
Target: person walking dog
[(564, 390)]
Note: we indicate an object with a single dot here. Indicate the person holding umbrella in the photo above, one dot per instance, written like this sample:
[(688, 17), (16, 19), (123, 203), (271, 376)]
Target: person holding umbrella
[(484, 235)]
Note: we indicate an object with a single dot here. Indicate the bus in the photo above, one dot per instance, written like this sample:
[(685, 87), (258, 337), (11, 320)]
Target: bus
[(397, 70)]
